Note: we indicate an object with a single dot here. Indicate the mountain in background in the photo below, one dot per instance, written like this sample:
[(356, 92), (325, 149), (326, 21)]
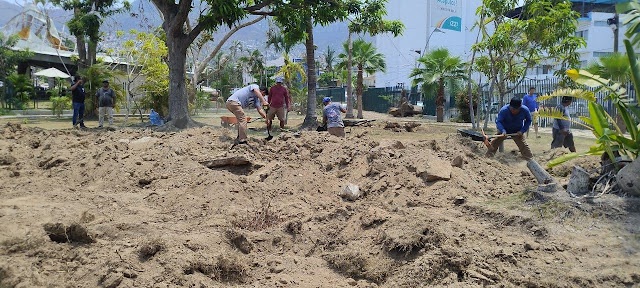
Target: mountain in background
[(145, 17)]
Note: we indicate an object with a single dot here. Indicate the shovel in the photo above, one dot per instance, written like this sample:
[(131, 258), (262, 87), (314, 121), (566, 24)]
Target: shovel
[(266, 112)]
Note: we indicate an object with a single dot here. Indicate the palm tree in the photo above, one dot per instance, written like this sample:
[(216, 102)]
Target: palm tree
[(613, 66), (253, 63), (367, 59), (438, 67), (328, 59)]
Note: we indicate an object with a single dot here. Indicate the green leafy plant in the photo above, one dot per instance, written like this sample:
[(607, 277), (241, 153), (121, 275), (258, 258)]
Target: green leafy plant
[(609, 136), (59, 103)]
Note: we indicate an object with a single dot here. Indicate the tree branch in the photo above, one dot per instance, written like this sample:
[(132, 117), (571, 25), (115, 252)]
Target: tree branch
[(224, 39)]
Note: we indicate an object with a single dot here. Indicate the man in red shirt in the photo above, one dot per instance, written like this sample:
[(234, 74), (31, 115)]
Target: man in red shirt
[(279, 100)]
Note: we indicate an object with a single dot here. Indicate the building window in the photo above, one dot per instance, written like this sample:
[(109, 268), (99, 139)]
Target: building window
[(546, 69), (601, 23), (601, 54), (583, 34)]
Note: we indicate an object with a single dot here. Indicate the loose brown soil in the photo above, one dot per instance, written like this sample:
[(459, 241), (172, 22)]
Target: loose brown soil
[(179, 209)]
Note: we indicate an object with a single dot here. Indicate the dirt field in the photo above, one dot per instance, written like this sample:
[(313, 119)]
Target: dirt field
[(138, 208)]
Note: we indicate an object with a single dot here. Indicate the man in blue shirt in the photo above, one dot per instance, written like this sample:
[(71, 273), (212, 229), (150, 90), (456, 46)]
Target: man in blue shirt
[(331, 117), (530, 100), (512, 119)]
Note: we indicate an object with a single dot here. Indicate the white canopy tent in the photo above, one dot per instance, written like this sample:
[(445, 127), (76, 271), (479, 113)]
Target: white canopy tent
[(52, 73)]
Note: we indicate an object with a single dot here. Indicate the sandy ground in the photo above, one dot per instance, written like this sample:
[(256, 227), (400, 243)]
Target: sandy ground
[(131, 207)]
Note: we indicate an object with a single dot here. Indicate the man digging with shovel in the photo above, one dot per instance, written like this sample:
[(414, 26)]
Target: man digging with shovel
[(513, 120), (246, 97)]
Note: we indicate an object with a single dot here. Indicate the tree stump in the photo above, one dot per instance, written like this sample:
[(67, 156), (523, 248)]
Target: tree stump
[(578, 182)]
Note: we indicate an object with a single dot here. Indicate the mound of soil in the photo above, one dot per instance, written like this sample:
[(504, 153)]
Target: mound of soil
[(179, 209)]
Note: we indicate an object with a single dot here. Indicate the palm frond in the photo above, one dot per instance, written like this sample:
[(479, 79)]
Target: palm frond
[(575, 93), (555, 113)]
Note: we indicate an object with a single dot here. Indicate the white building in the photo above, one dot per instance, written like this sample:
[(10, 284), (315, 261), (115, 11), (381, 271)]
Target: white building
[(599, 36), (429, 24), (452, 21)]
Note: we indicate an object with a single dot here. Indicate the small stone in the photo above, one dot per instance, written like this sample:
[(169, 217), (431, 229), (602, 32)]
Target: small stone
[(129, 274), (459, 200), (283, 281), (352, 282), (351, 192), (458, 161), (164, 176)]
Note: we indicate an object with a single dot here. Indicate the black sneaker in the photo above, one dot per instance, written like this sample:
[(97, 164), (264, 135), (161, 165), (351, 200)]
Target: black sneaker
[(82, 125)]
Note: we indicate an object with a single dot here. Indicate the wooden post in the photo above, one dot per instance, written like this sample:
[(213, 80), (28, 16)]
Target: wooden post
[(545, 181)]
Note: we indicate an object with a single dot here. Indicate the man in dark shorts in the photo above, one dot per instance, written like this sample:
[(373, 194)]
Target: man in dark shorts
[(562, 136)]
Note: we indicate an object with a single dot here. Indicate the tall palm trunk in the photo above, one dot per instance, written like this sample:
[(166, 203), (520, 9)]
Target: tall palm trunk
[(440, 101), (360, 89), (310, 119)]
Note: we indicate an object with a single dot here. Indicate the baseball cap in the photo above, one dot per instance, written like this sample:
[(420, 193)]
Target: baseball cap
[(105, 81), (279, 79), (326, 99), (515, 103)]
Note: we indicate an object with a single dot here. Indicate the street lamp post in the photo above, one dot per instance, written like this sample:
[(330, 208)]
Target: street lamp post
[(426, 45)]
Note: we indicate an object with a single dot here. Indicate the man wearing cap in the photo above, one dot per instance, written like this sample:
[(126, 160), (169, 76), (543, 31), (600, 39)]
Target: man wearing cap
[(331, 117), (279, 100), (248, 96), (78, 97), (106, 101), (562, 135), (512, 119)]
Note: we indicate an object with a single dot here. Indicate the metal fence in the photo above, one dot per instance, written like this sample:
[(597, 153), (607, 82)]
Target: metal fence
[(577, 108)]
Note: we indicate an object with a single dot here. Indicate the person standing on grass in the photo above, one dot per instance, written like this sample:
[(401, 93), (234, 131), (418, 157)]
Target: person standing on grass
[(331, 117), (512, 119), (562, 136), (279, 100), (246, 97), (77, 99), (531, 101), (106, 101)]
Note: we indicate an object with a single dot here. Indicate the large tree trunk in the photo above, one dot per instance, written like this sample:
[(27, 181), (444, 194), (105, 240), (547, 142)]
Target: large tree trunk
[(360, 90), (81, 45), (440, 102), (349, 85), (91, 52), (178, 102), (310, 119)]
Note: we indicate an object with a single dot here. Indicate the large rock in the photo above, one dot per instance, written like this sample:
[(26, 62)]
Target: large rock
[(435, 169), (629, 178), (578, 182)]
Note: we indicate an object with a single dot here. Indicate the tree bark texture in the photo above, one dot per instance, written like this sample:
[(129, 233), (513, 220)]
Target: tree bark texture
[(440, 102), (310, 119), (359, 88)]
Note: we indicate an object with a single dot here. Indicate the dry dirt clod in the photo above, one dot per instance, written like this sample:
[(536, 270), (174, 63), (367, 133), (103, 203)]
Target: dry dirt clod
[(112, 280), (239, 240), (75, 233), (459, 200), (7, 159), (531, 246), (458, 161)]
